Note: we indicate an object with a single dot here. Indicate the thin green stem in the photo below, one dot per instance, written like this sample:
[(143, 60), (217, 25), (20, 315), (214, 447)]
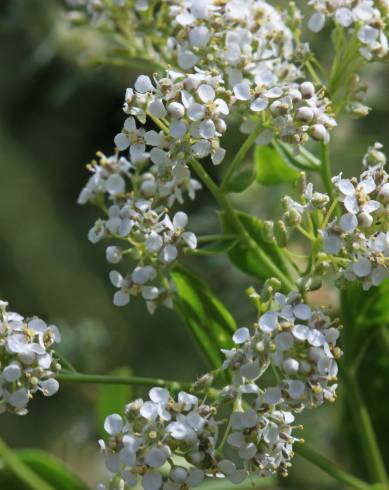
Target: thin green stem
[(329, 467), (73, 377), (365, 430), (325, 169), (239, 157), (20, 470)]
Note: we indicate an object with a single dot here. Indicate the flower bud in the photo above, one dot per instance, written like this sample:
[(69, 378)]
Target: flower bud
[(365, 220), (319, 133), (305, 114), (280, 233), (292, 218), (307, 89), (319, 200), (268, 231), (176, 110), (113, 255)]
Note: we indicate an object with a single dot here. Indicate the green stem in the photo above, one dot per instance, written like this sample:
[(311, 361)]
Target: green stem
[(240, 229), (121, 380), (329, 467), (325, 169), (241, 155), (365, 430), (23, 472)]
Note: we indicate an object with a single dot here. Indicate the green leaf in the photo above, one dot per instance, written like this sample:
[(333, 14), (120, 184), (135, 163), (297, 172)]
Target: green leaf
[(304, 160), (272, 167), (48, 467), (242, 257), (113, 398), (217, 247), (207, 318), (241, 181)]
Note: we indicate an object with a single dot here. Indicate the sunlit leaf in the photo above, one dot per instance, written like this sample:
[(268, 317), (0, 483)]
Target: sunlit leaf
[(272, 167)]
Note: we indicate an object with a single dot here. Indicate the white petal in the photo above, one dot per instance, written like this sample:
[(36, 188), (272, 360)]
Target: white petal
[(268, 321), (206, 93), (241, 335), (113, 424), (143, 84), (316, 22)]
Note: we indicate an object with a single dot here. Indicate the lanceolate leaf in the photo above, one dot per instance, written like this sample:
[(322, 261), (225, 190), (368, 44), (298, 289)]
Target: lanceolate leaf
[(113, 398), (48, 467), (245, 259), (241, 181), (207, 318), (272, 167)]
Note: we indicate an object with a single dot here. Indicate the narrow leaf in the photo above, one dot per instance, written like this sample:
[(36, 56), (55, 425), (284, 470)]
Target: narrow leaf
[(207, 318), (243, 258), (241, 181), (48, 467)]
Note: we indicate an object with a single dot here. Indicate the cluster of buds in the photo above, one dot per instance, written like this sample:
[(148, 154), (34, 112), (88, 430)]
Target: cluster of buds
[(358, 241), (153, 433), (300, 344), (366, 18), (27, 364), (295, 111)]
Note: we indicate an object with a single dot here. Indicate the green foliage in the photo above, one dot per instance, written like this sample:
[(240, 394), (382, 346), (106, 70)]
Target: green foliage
[(207, 318), (272, 167), (241, 181), (48, 467), (113, 398), (244, 258)]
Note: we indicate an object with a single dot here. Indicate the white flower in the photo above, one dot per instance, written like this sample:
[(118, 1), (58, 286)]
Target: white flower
[(27, 364)]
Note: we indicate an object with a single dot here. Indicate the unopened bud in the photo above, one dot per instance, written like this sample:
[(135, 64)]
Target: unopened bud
[(268, 231), (319, 200), (319, 133), (302, 183), (307, 89), (310, 283), (365, 220), (292, 218), (280, 233), (305, 114)]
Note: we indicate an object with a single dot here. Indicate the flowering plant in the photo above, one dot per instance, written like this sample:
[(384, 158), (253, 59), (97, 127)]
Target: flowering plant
[(223, 64)]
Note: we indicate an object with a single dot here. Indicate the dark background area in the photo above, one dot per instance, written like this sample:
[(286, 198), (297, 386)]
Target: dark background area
[(55, 114)]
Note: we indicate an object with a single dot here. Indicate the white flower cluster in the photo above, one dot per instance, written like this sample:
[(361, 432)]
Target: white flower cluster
[(27, 364), (194, 106), (299, 342), (245, 40), (139, 227), (170, 444), (358, 241), (368, 19), (152, 433)]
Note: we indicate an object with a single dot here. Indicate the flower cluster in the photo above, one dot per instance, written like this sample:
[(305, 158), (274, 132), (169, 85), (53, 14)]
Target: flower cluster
[(138, 226), (194, 105), (27, 364), (245, 40), (368, 19), (152, 433), (299, 342), (173, 444), (358, 240)]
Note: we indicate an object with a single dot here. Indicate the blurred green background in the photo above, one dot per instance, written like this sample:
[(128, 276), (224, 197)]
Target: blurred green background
[(55, 112)]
